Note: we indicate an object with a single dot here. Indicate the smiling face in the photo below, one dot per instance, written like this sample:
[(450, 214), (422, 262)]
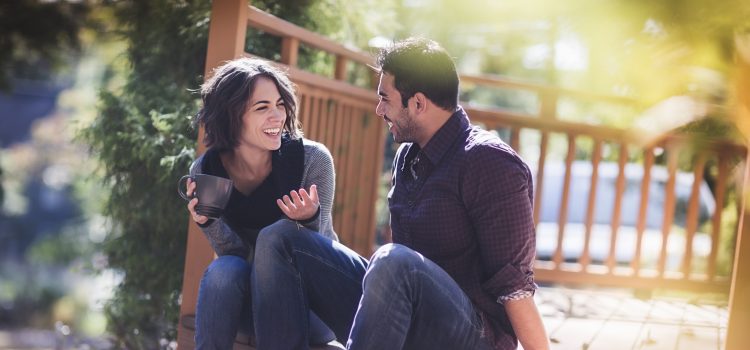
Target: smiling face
[(263, 121), (400, 121)]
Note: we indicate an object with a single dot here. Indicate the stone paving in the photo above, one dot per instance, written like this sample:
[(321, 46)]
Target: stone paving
[(615, 319)]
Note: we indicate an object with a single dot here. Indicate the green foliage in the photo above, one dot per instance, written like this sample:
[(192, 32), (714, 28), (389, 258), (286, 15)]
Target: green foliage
[(38, 37), (144, 142)]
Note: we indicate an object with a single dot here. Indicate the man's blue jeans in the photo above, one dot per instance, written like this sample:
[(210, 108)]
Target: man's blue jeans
[(409, 302), (294, 273)]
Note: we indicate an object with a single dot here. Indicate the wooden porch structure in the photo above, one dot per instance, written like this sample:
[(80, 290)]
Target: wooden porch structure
[(341, 115)]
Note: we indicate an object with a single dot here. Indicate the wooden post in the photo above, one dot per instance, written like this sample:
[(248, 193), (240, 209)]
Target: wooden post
[(340, 72), (548, 104), (739, 303), (226, 41), (289, 51)]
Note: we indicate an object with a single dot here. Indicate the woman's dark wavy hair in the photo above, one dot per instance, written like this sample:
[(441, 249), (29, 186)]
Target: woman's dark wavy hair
[(421, 65), (226, 96)]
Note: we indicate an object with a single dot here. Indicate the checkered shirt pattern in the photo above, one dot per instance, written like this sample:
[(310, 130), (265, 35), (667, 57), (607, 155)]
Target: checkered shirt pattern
[(466, 204)]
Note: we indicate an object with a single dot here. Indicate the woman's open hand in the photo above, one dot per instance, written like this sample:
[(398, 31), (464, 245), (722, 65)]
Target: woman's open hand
[(193, 202), (300, 206)]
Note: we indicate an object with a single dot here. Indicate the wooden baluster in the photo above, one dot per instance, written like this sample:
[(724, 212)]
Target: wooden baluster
[(617, 208), (540, 177), (335, 148), (563, 217), (326, 107), (314, 127), (303, 108), (347, 190), (669, 208), (596, 158), (380, 134), (691, 223), (721, 190), (338, 121), (515, 141), (330, 118), (648, 162), (359, 176), (368, 174)]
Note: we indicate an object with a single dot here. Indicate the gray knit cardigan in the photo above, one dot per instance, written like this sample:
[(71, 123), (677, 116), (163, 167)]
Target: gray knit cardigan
[(318, 170)]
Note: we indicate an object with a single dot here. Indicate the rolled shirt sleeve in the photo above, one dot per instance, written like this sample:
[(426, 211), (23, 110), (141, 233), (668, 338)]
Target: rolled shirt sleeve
[(497, 192)]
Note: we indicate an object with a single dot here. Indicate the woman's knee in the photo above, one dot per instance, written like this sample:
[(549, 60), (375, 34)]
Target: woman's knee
[(225, 272), (276, 233)]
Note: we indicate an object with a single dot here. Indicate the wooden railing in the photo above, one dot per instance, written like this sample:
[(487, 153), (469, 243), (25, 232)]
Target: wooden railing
[(341, 115), (707, 155)]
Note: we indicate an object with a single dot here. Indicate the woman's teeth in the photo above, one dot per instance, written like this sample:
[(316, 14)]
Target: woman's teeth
[(272, 131)]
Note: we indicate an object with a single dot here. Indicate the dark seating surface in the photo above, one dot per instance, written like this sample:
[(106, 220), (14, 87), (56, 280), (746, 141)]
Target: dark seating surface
[(241, 342)]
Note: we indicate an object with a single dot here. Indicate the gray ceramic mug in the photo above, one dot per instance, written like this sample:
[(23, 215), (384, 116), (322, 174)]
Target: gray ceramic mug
[(213, 193)]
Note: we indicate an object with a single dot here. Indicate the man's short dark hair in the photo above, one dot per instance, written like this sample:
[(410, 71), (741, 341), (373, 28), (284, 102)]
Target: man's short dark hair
[(226, 96), (421, 65)]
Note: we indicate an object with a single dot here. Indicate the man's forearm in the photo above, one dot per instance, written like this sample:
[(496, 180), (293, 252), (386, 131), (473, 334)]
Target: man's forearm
[(527, 323)]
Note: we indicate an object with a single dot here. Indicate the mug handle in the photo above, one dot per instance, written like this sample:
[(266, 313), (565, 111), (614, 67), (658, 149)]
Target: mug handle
[(180, 187)]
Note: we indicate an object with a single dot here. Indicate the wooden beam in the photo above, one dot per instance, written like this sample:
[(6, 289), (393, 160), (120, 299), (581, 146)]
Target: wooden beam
[(226, 41), (582, 278), (739, 303)]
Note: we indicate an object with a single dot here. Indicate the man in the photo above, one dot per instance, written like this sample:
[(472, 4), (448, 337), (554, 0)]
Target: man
[(459, 274)]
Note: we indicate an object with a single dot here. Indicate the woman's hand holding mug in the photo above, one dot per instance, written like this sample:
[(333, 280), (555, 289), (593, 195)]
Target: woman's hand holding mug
[(200, 219), (207, 195)]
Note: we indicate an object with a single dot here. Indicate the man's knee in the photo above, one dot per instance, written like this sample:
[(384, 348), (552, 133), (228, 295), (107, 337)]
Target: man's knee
[(392, 260)]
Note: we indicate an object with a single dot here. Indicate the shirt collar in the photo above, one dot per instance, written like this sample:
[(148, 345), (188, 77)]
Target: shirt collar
[(439, 144)]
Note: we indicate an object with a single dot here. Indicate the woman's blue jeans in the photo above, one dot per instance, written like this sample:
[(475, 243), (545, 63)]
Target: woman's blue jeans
[(295, 272)]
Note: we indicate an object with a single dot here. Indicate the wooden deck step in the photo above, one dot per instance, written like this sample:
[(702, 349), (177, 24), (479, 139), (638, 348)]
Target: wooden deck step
[(186, 338)]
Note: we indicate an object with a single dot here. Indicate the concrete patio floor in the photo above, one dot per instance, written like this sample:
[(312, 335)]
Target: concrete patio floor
[(585, 319)]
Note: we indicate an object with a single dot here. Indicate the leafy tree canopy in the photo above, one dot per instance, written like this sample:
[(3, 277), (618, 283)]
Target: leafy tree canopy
[(38, 37)]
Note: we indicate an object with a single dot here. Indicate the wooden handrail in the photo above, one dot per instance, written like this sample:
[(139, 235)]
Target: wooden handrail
[(279, 27), (336, 86), (505, 82)]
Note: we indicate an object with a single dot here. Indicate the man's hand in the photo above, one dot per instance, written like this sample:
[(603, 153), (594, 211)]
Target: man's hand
[(300, 206)]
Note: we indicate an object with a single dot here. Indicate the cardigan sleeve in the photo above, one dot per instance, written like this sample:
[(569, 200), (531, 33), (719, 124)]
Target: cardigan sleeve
[(222, 238), (319, 171)]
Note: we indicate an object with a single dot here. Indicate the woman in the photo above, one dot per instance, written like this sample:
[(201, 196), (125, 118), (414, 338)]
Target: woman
[(280, 269)]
